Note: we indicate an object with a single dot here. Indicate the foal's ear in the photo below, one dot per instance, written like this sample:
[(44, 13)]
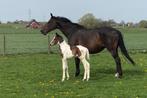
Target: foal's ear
[(57, 34)]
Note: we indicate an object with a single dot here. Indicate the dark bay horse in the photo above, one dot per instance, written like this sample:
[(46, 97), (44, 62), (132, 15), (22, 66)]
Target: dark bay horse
[(94, 39)]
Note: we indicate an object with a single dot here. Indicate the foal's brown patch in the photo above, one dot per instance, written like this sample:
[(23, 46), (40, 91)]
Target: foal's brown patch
[(75, 51), (60, 51)]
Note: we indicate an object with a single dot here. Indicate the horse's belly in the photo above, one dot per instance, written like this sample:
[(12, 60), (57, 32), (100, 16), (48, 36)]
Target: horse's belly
[(94, 50)]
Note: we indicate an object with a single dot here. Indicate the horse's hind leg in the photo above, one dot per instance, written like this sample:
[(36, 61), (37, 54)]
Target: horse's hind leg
[(77, 62), (118, 65), (116, 57)]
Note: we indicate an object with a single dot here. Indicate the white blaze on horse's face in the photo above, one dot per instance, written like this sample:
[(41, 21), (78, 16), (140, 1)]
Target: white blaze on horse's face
[(53, 41)]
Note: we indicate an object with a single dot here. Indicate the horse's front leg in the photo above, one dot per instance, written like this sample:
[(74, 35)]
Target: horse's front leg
[(66, 70), (77, 62)]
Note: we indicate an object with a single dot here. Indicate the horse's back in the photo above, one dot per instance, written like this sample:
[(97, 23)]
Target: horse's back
[(94, 39)]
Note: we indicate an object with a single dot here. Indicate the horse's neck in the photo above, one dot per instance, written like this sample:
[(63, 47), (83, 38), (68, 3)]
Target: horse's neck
[(68, 29)]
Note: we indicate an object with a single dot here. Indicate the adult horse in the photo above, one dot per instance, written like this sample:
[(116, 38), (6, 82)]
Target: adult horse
[(94, 39)]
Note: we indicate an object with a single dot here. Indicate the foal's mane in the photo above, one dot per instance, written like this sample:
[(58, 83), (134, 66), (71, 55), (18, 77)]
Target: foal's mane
[(63, 19)]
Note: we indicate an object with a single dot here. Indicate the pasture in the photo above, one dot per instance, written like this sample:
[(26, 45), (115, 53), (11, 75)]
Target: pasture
[(37, 74), (18, 39)]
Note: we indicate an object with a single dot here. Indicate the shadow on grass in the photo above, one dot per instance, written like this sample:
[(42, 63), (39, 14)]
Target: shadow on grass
[(107, 73)]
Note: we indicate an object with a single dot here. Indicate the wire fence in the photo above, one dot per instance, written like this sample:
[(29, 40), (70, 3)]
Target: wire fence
[(38, 43), (24, 43)]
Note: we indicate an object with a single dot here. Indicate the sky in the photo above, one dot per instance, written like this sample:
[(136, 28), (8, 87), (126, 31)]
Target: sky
[(127, 10)]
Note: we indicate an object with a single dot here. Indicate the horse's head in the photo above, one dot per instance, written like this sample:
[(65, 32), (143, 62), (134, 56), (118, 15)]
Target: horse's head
[(50, 25), (57, 39), (55, 23)]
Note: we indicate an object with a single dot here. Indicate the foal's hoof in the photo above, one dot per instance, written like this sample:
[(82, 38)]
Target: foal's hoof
[(85, 79), (62, 80), (67, 78), (117, 75)]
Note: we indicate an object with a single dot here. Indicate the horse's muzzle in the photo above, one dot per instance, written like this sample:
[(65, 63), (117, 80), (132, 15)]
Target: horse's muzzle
[(43, 32)]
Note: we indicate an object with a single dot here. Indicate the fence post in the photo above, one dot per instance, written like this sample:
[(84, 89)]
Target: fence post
[(49, 48), (4, 45)]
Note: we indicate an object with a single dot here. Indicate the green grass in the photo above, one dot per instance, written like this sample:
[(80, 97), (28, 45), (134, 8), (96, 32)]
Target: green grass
[(39, 76), (135, 38)]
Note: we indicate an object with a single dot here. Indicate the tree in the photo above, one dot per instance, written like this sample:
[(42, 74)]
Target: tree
[(143, 23), (122, 23), (111, 22), (89, 21)]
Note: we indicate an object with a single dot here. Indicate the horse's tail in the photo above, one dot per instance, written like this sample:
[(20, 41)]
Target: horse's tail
[(124, 50), (87, 54)]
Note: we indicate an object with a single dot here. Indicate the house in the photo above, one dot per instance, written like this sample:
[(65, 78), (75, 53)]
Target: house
[(33, 24)]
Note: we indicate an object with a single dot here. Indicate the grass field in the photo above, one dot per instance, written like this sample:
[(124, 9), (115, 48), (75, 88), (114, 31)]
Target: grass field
[(39, 76)]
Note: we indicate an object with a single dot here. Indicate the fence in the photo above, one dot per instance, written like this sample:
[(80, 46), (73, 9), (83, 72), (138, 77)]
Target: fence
[(35, 43), (24, 43)]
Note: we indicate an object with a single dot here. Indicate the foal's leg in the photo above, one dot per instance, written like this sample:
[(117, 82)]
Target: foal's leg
[(77, 62), (67, 74), (85, 69), (64, 61), (88, 70)]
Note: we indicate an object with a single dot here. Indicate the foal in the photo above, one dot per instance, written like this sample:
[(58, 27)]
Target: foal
[(68, 52)]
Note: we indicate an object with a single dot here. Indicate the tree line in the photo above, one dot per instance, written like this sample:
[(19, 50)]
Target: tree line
[(90, 21)]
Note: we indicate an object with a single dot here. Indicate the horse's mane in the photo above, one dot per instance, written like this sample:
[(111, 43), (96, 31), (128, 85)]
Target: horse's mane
[(63, 19)]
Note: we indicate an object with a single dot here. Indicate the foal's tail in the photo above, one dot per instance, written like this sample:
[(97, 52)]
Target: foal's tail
[(87, 54), (123, 49)]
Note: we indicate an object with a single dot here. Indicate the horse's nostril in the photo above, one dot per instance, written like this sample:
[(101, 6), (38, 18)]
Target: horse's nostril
[(41, 31)]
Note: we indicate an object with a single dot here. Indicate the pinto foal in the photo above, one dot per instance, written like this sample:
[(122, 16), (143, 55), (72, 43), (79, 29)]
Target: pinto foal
[(68, 52)]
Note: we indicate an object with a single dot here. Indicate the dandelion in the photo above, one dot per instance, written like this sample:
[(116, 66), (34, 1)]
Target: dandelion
[(35, 95), (76, 82), (137, 97), (46, 94), (120, 82), (145, 70), (51, 81), (115, 97)]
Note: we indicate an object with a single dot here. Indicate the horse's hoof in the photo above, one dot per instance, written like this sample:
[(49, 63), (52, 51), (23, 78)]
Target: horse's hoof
[(77, 74), (117, 75)]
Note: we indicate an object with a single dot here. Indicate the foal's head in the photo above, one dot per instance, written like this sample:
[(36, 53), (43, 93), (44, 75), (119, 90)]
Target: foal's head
[(57, 39)]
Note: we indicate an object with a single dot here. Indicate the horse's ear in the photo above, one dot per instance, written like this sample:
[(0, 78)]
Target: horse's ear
[(51, 14)]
